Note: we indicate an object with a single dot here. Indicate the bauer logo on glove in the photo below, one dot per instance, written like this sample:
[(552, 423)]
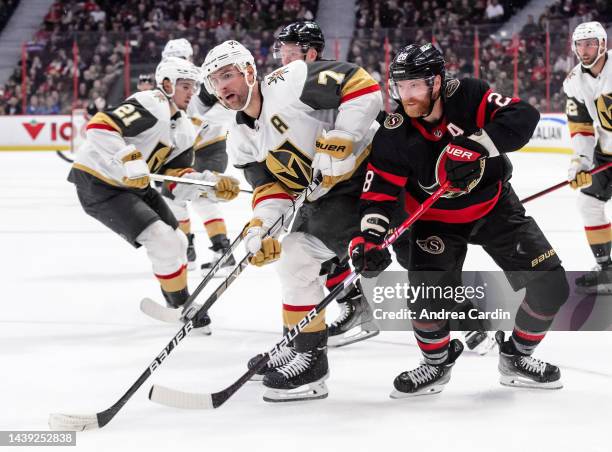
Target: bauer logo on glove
[(463, 166)]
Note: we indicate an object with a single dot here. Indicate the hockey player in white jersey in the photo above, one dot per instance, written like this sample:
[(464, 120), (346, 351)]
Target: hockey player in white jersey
[(147, 133), (278, 143), (589, 112), (304, 40), (210, 119)]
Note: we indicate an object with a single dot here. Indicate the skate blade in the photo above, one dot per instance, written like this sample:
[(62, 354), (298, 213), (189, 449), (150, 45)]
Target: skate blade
[(521, 382), (310, 391), (341, 340), (395, 394), (257, 377)]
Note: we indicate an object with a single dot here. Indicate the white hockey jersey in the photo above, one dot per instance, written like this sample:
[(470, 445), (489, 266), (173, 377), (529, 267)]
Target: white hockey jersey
[(211, 122), (276, 149), (143, 120), (589, 109)]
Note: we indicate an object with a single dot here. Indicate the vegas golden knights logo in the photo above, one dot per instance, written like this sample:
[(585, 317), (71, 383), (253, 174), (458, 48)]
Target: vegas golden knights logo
[(290, 166), (604, 110), (158, 157)]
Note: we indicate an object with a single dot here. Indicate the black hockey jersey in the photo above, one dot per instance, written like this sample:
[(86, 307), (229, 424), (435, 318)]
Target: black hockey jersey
[(405, 151)]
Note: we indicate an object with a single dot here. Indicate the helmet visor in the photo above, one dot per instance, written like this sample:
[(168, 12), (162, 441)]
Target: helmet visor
[(288, 51), (407, 89)]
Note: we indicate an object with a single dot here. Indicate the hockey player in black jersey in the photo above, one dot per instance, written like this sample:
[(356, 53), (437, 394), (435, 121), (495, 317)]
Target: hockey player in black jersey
[(458, 131)]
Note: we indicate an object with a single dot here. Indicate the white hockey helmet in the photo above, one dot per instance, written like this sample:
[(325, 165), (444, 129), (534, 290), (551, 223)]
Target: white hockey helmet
[(180, 48), (226, 53), (591, 30), (173, 69)]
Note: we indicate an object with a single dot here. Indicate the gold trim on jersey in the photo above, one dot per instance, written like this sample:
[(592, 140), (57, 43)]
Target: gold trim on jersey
[(580, 127), (158, 157), (199, 145), (604, 111), (196, 121), (95, 174), (272, 189), (103, 118), (360, 80)]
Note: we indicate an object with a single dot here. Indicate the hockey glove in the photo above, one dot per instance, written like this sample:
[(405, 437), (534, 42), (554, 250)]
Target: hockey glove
[(334, 159), (135, 169), (366, 254), (226, 188), (461, 162), (263, 250), (577, 172)]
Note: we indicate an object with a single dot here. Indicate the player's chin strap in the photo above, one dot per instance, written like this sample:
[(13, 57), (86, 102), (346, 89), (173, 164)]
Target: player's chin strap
[(251, 86), (601, 51)]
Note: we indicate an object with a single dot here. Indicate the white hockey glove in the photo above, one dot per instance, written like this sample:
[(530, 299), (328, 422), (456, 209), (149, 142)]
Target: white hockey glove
[(134, 168), (225, 188), (577, 172), (263, 250), (333, 159)]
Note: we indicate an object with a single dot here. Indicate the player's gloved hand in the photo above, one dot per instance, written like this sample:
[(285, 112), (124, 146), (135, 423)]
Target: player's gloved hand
[(461, 162), (577, 172), (226, 187), (364, 250), (135, 169), (333, 160), (263, 250)]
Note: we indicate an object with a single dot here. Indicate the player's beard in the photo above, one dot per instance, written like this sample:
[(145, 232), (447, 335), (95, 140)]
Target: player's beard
[(418, 109), (236, 101)]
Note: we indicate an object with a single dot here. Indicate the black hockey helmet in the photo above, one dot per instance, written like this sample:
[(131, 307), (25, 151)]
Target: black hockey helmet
[(416, 62), (305, 33)]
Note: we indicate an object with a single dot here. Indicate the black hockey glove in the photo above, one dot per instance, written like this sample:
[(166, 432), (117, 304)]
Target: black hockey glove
[(462, 162), (366, 254)]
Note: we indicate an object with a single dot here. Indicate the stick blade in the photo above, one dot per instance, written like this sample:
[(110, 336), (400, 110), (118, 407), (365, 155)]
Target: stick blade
[(179, 399), (161, 313), (73, 422)]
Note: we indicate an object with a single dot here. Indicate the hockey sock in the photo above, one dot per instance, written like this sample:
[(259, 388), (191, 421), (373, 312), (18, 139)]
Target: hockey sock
[(544, 297), (293, 314), (215, 227), (185, 226), (433, 339), (600, 241)]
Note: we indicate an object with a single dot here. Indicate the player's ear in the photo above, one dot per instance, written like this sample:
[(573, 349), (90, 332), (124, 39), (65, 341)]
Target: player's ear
[(311, 55), (250, 77)]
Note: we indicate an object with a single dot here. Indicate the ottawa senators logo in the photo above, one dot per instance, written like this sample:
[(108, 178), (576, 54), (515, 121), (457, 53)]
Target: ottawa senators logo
[(432, 245), (604, 110), (393, 121), (290, 166)]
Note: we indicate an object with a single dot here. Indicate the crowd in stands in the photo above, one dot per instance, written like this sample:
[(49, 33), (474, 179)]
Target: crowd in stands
[(453, 24), (104, 30)]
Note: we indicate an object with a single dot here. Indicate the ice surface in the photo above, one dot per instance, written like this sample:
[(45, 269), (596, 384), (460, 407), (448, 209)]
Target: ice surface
[(72, 340)]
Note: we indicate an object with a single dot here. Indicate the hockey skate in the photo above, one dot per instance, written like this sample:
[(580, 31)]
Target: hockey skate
[(302, 378), (597, 281), (427, 379), (355, 322), (226, 266), (524, 371), (191, 253), (176, 300), (479, 341), (280, 359)]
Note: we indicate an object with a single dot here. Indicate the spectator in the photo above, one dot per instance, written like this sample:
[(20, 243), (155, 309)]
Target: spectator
[(494, 11)]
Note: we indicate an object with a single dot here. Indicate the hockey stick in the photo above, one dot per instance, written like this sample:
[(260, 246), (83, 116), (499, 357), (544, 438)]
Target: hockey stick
[(599, 169), (170, 315), (185, 180), (58, 421), (180, 399)]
